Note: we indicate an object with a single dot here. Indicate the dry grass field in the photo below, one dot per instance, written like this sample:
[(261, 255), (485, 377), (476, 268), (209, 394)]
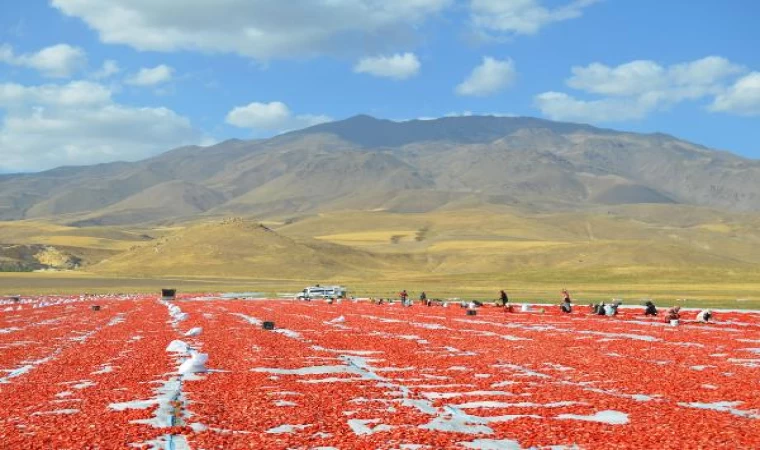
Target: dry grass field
[(523, 288), (668, 253)]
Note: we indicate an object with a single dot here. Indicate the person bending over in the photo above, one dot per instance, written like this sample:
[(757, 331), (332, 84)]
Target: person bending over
[(612, 309), (673, 313), (704, 316)]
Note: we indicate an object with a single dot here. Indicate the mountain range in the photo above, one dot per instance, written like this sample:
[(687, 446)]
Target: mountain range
[(364, 163)]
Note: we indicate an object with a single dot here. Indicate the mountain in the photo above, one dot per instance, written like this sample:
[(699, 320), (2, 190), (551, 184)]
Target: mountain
[(174, 198), (369, 132), (363, 163)]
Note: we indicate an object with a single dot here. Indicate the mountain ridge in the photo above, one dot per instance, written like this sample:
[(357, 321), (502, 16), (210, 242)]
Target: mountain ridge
[(363, 162)]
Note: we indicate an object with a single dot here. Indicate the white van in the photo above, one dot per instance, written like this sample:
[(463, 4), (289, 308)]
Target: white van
[(322, 292)]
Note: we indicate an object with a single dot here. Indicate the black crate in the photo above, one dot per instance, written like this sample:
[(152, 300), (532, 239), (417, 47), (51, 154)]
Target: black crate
[(472, 312), (168, 292), (268, 325), (95, 307)]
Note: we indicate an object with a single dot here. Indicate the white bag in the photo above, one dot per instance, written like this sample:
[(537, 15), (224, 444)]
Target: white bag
[(196, 364), (177, 347)]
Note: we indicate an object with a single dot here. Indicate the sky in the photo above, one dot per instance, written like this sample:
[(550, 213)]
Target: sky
[(92, 81)]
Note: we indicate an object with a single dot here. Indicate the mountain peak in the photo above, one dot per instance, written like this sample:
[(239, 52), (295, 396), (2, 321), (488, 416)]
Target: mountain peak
[(362, 118), (369, 132)]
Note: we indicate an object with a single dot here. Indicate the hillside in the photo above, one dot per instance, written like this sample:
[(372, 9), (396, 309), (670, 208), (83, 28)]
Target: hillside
[(647, 238), (173, 199), (658, 250), (26, 258), (33, 245), (626, 250), (239, 248), (363, 163)]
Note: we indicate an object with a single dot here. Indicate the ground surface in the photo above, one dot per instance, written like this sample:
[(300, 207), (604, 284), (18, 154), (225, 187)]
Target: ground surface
[(700, 289), (363, 376)]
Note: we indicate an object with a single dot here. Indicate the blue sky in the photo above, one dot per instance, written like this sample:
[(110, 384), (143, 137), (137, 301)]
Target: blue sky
[(87, 81)]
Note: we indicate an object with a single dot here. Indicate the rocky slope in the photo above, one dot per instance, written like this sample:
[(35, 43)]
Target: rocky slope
[(367, 163)]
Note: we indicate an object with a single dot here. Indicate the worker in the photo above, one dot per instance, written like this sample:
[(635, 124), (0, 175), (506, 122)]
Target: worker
[(566, 306), (612, 309), (673, 314), (503, 297), (704, 316), (424, 299), (650, 310), (404, 297)]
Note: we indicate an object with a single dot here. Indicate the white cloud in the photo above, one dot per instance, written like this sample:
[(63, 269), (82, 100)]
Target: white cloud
[(635, 89), (522, 16), (79, 123), (677, 82), (560, 106), (705, 72), (14, 97), (260, 29), (458, 114), (271, 117), (151, 76), (107, 70), (488, 78), (626, 79), (742, 98), (265, 116), (470, 114), (57, 61), (398, 66), (465, 113)]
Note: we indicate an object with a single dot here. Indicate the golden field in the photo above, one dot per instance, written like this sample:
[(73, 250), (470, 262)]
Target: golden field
[(669, 253)]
